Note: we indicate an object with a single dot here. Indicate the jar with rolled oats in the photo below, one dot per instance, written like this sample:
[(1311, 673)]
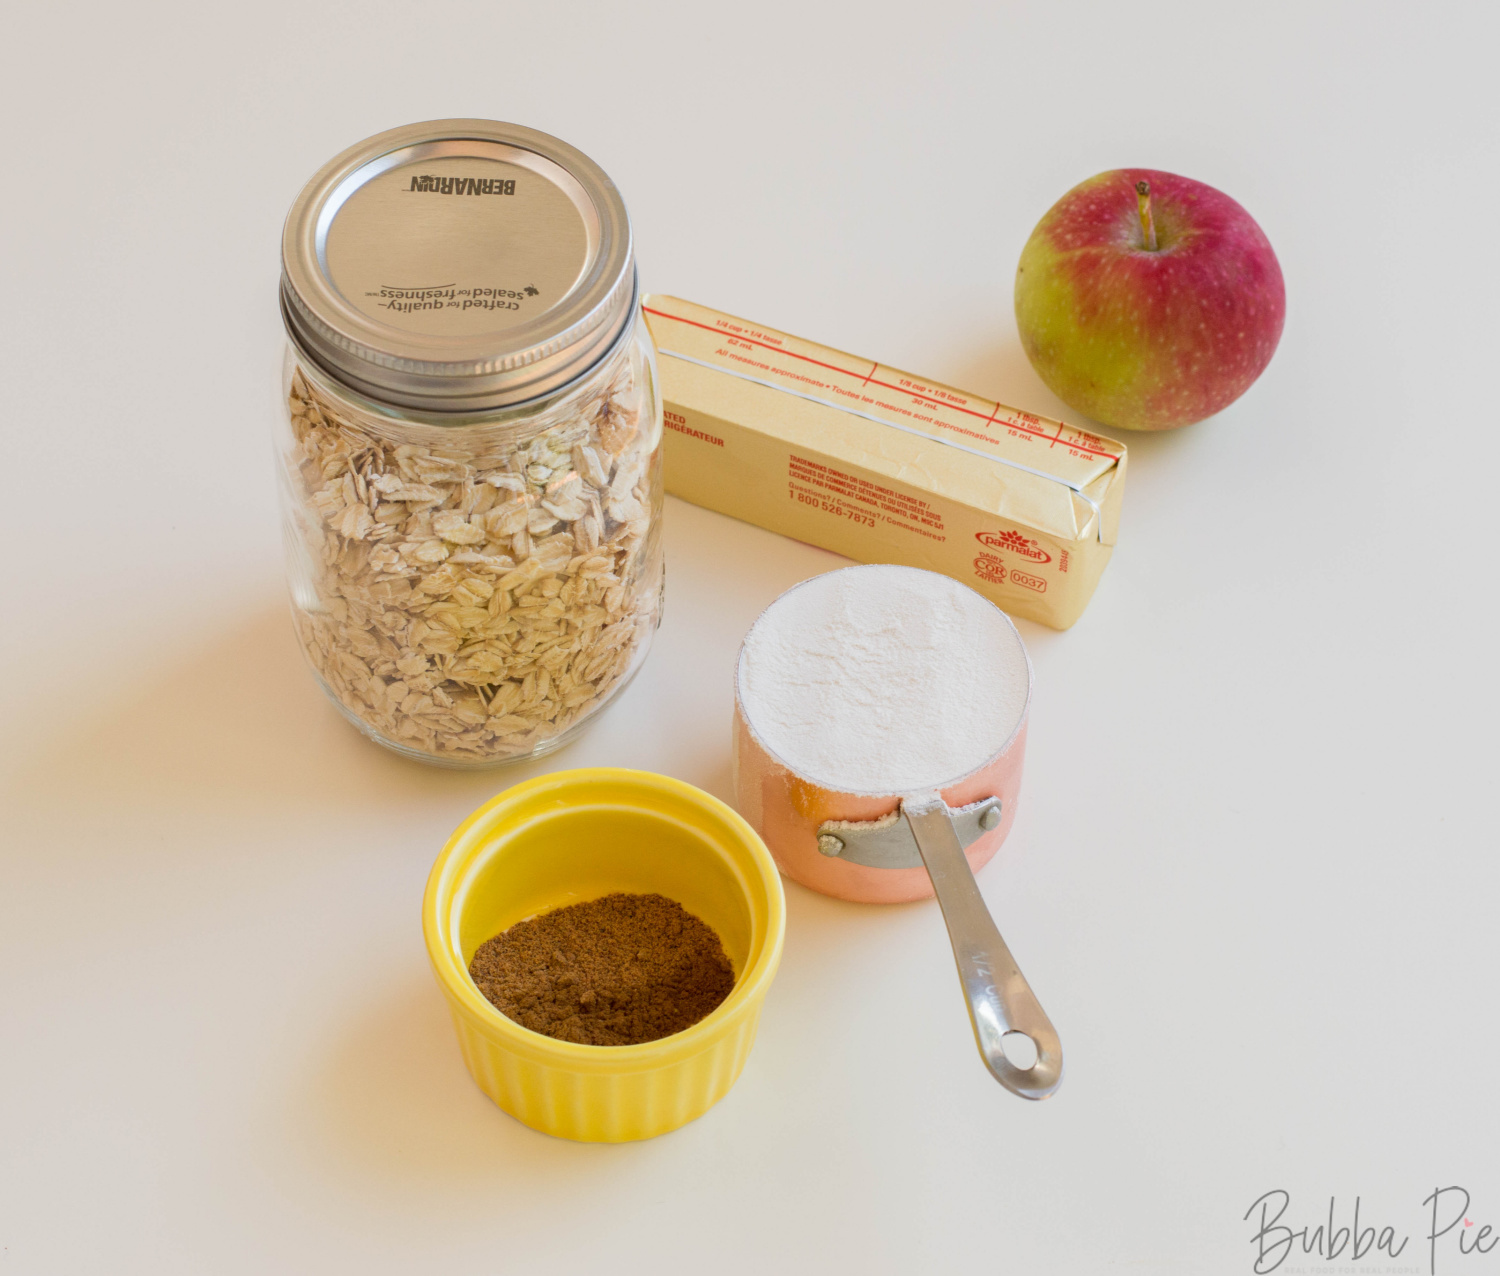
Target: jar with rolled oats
[(470, 451)]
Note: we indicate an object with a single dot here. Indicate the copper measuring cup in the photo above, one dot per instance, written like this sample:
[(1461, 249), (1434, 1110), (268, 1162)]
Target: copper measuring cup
[(899, 846)]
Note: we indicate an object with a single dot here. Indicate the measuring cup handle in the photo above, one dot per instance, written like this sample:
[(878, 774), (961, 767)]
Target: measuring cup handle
[(1000, 1000)]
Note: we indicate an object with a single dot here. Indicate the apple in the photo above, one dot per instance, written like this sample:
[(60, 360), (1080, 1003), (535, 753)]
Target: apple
[(1148, 301)]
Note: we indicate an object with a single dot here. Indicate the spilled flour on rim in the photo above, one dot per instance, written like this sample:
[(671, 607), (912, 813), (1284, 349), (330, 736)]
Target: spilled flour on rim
[(883, 679)]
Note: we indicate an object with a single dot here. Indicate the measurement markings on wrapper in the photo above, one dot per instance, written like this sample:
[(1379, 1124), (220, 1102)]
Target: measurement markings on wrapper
[(1017, 425)]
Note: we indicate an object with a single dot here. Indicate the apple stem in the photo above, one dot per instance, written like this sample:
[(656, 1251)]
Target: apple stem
[(1143, 203)]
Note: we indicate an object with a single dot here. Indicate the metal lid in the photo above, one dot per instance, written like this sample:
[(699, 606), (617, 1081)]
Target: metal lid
[(457, 265)]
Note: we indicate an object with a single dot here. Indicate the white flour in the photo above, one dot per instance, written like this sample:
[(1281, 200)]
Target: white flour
[(882, 679)]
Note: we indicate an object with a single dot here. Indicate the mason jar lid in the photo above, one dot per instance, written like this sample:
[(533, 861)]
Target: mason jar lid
[(457, 266)]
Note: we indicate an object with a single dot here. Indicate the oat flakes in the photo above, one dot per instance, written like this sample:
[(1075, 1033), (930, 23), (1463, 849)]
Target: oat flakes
[(472, 596)]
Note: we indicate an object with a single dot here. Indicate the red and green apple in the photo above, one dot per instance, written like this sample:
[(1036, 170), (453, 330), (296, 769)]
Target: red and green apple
[(1148, 301)]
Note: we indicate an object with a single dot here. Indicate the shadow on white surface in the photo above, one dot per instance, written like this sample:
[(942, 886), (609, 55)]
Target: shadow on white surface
[(389, 1100), (231, 724), (383, 1104), (1000, 370), (221, 713)]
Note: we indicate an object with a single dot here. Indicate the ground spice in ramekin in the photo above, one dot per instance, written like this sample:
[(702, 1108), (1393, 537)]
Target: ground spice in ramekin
[(614, 971)]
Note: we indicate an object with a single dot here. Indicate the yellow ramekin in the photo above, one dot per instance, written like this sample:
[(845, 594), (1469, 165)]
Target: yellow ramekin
[(576, 835)]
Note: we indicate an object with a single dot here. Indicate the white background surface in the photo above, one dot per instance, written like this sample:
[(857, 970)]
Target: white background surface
[(1253, 876)]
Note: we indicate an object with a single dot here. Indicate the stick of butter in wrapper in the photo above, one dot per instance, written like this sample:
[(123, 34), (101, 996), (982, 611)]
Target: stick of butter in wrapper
[(884, 467)]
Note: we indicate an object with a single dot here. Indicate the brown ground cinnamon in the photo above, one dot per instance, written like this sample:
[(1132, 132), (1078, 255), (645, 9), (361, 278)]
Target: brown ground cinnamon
[(614, 971)]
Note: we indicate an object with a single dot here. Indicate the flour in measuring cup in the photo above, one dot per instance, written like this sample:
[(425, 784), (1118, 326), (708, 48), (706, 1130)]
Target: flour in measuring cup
[(883, 679)]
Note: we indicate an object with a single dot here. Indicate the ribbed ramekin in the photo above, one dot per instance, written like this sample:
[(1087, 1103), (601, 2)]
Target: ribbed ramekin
[(576, 835)]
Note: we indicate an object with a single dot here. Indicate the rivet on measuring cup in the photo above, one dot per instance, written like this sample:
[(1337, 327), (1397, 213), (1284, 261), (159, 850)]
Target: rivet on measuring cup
[(990, 818), (829, 845)]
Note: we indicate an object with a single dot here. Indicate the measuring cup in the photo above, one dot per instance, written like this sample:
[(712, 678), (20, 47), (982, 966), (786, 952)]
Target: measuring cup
[(906, 845)]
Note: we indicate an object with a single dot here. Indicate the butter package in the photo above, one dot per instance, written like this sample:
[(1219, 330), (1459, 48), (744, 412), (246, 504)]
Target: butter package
[(882, 466)]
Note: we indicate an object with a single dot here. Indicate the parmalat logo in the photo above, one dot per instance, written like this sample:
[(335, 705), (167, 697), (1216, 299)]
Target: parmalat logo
[(1015, 543)]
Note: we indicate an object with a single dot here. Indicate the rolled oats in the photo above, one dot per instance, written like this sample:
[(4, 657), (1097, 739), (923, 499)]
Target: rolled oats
[(467, 597)]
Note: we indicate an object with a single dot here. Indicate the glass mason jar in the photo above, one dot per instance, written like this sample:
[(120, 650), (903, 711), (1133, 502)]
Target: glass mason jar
[(470, 456)]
